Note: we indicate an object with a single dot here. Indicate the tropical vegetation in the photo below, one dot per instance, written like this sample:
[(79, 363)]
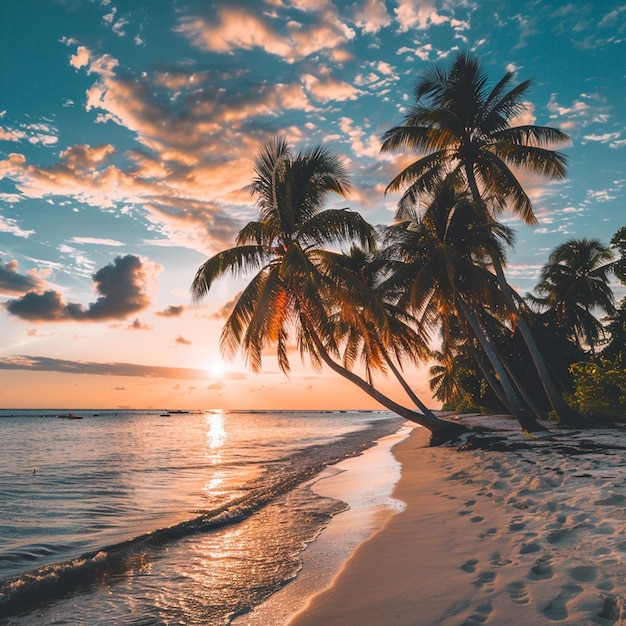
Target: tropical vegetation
[(431, 286)]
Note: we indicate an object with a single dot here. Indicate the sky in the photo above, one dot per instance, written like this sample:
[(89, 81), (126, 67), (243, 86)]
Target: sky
[(128, 130)]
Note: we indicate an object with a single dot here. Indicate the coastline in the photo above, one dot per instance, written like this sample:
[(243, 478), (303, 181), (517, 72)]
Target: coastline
[(364, 483), (525, 537)]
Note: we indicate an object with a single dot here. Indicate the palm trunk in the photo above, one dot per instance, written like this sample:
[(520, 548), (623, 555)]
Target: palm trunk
[(528, 423), (407, 388), (491, 381), (441, 431), (564, 413)]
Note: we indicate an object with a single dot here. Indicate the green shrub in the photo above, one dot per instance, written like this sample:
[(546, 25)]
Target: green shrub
[(600, 390)]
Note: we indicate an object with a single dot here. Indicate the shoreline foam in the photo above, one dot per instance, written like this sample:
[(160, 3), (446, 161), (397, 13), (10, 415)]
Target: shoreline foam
[(365, 484), (501, 538)]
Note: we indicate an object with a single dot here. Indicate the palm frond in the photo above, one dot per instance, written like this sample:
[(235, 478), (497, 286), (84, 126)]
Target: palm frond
[(495, 175), (530, 135), (337, 226), (235, 261), (237, 323)]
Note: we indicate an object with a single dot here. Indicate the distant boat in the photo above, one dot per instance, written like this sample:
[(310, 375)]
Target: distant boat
[(69, 416)]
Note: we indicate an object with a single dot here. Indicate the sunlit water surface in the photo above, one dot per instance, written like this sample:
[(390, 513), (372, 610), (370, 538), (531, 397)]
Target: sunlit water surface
[(138, 517)]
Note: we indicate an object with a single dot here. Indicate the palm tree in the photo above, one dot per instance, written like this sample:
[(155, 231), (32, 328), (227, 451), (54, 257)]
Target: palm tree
[(289, 295), (573, 284), (462, 129), (447, 252), (370, 321)]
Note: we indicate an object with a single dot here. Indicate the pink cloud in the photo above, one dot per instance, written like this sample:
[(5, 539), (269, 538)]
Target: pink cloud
[(237, 28), (418, 14), (371, 16), (329, 89)]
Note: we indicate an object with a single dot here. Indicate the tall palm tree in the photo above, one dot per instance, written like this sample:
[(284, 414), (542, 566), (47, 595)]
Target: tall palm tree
[(447, 254), (573, 284), (288, 295), (461, 127)]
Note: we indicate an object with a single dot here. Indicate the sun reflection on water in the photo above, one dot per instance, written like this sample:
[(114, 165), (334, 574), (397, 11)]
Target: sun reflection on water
[(216, 435)]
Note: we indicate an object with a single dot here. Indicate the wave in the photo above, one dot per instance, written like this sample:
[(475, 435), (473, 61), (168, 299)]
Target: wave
[(39, 587)]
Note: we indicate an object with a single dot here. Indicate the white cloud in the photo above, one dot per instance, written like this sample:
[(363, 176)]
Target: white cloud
[(8, 225)]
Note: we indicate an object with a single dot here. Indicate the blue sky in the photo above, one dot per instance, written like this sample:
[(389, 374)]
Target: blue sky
[(127, 133)]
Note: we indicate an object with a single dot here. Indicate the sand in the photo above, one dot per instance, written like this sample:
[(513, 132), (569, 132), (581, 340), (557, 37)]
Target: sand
[(524, 537)]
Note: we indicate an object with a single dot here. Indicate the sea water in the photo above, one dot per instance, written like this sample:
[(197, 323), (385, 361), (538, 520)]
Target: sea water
[(154, 517)]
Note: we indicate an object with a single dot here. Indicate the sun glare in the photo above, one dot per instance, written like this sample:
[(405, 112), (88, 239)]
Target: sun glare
[(217, 369)]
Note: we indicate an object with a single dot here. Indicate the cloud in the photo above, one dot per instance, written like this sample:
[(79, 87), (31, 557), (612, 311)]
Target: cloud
[(603, 138), (123, 288), (328, 89), (418, 15), (47, 364), (225, 311), (11, 282), (172, 311), (96, 241), (80, 58), (181, 340), (36, 133), (233, 28), (362, 144), (371, 15), (188, 131), (9, 225), (585, 110), (138, 325)]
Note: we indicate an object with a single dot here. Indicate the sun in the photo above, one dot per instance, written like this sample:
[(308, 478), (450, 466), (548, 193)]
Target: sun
[(217, 369)]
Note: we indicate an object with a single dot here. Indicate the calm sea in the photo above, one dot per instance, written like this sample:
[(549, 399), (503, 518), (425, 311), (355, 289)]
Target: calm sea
[(147, 518)]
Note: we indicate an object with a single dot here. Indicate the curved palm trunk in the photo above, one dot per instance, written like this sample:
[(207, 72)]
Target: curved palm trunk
[(528, 423), (407, 388), (564, 413), (441, 431)]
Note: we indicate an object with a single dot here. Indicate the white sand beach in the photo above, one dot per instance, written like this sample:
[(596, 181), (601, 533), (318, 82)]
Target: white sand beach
[(534, 536)]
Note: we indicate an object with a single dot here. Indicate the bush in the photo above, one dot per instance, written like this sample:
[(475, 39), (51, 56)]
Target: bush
[(600, 390)]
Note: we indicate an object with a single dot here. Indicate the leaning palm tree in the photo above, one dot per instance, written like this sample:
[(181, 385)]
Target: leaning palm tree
[(447, 254), (369, 321), (288, 295), (461, 127), (573, 284)]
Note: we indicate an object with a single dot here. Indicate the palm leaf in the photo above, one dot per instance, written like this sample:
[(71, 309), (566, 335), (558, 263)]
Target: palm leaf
[(236, 261)]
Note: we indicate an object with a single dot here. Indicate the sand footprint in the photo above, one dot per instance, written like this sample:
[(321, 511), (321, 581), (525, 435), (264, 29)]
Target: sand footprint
[(584, 573), (479, 616), (498, 561), (542, 569), (470, 566), (568, 536), (484, 580), (557, 608), (518, 592)]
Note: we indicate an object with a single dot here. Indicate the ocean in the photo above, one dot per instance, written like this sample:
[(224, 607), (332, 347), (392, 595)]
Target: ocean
[(163, 517)]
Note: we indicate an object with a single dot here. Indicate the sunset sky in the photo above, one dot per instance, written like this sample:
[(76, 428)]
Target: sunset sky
[(127, 133)]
